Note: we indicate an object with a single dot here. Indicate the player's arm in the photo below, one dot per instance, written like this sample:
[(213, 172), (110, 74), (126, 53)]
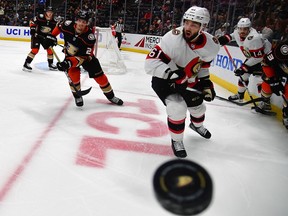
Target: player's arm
[(33, 25), (156, 63), (77, 60)]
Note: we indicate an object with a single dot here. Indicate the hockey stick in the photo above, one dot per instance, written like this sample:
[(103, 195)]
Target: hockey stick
[(239, 103), (79, 93), (225, 99), (257, 109)]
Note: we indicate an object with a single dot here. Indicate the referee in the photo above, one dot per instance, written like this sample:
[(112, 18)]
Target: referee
[(119, 28)]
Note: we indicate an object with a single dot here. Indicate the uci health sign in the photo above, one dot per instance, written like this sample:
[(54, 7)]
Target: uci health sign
[(18, 33)]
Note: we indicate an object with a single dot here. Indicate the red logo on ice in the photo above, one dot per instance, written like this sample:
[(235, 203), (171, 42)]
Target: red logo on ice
[(140, 43)]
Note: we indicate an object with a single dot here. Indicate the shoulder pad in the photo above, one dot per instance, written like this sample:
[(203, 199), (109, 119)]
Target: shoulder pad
[(176, 32), (250, 37), (91, 36), (281, 51), (67, 22)]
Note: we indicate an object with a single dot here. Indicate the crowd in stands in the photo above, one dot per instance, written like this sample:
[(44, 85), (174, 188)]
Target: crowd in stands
[(269, 16)]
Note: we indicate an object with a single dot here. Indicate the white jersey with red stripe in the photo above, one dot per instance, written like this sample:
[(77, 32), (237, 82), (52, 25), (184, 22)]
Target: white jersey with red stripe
[(254, 47), (174, 52)]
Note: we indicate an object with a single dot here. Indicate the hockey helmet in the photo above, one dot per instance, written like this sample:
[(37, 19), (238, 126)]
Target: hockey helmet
[(83, 15), (197, 14), (49, 8), (244, 23)]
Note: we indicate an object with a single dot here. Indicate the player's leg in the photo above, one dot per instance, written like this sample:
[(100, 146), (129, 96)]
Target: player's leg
[(176, 109), (34, 50), (50, 60), (74, 74), (95, 71)]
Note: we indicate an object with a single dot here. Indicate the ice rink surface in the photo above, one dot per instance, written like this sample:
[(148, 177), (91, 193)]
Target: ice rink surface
[(57, 159)]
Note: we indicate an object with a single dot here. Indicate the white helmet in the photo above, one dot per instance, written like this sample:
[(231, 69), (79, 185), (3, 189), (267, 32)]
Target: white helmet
[(197, 14), (244, 23)]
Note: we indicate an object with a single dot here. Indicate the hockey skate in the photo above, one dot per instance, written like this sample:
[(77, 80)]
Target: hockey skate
[(265, 105), (52, 67), (178, 149), (239, 96), (201, 130), (116, 101), (27, 67), (78, 100)]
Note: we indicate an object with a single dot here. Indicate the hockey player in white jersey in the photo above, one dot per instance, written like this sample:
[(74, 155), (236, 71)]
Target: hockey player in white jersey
[(254, 47), (179, 66)]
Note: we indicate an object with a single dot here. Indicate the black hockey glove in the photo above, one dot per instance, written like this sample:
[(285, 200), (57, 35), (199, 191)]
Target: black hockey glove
[(276, 86), (240, 71), (223, 40), (32, 31), (208, 90), (64, 65), (178, 80), (49, 41)]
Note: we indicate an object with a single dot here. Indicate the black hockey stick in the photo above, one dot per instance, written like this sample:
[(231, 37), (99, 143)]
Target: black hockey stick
[(239, 103), (79, 93), (225, 99), (257, 109)]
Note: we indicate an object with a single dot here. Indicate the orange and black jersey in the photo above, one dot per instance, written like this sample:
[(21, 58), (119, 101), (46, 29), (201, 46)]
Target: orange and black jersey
[(41, 25), (275, 62), (76, 44), (78, 47)]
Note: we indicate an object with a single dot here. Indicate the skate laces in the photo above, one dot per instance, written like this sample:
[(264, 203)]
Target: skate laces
[(178, 145)]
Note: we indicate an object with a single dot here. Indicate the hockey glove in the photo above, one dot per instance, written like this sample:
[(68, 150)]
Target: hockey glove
[(64, 65), (32, 31), (223, 40), (178, 80), (276, 87), (49, 41), (208, 90), (240, 71)]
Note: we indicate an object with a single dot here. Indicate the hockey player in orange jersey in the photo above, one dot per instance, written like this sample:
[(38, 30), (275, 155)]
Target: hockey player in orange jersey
[(41, 26), (275, 77), (79, 42)]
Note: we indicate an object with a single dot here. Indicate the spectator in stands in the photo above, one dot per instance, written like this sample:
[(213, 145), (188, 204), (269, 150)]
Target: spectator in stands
[(222, 30)]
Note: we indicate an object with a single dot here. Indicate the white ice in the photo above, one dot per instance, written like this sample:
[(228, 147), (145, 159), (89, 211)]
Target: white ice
[(57, 159)]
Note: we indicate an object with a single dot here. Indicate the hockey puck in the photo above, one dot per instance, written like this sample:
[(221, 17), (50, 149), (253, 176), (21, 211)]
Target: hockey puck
[(183, 187)]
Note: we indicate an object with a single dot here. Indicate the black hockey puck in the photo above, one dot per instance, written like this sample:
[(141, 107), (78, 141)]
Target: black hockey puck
[(183, 187)]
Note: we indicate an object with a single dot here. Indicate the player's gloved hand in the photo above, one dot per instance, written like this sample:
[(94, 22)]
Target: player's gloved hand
[(64, 65), (276, 86), (240, 71), (32, 31), (178, 80), (49, 41), (208, 90), (223, 40)]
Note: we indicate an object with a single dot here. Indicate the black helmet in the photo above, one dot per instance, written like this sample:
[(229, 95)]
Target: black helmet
[(83, 15), (49, 8)]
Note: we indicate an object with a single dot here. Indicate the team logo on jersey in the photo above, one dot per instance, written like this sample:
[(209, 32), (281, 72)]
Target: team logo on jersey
[(250, 37), (71, 49), (45, 29), (246, 52), (91, 37)]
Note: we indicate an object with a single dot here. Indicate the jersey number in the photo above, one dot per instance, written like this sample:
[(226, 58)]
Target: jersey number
[(88, 51), (155, 53)]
